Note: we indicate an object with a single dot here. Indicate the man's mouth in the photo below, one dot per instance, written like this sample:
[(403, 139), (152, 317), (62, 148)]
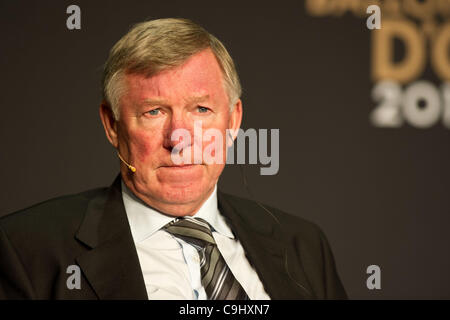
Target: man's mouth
[(179, 166)]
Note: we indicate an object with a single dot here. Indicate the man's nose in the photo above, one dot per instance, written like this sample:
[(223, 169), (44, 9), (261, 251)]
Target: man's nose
[(179, 128)]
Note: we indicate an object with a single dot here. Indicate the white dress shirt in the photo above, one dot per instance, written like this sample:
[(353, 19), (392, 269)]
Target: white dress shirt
[(171, 266)]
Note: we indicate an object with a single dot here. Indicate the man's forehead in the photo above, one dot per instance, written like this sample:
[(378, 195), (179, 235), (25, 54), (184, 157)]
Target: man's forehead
[(198, 79)]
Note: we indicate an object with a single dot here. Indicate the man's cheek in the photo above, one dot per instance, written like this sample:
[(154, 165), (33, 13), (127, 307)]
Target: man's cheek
[(144, 147)]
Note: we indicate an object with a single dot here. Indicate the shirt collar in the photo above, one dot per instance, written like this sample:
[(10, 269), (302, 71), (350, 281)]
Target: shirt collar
[(145, 221)]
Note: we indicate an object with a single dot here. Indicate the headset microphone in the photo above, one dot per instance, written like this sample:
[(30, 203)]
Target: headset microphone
[(133, 169)]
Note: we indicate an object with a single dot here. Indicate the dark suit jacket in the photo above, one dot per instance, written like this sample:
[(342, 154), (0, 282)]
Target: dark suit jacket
[(291, 256)]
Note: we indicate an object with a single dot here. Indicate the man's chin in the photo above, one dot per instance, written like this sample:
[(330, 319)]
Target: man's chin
[(180, 176), (177, 191)]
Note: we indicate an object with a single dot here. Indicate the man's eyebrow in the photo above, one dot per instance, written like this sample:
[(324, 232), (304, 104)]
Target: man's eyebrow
[(153, 101), (191, 100), (197, 99)]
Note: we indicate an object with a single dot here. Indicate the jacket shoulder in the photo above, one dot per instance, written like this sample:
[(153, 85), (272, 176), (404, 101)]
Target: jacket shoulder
[(309, 248), (37, 244), (293, 225), (54, 215)]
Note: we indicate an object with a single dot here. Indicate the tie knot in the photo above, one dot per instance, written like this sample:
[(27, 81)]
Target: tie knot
[(193, 230)]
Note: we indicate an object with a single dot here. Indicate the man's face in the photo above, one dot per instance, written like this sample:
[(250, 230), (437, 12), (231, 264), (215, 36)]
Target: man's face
[(151, 109)]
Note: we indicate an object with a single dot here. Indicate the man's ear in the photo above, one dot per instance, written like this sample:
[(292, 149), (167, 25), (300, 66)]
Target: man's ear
[(109, 123), (235, 121)]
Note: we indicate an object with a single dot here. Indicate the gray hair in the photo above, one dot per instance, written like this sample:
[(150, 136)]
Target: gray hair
[(156, 45)]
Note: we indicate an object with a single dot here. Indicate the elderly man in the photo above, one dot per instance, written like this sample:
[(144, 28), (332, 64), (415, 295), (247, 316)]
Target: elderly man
[(162, 230)]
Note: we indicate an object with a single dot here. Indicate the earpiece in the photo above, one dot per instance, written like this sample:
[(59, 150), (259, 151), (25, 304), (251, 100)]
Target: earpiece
[(133, 169)]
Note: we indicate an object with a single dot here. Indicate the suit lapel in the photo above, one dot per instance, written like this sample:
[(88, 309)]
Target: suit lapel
[(266, 248), (111, 266)]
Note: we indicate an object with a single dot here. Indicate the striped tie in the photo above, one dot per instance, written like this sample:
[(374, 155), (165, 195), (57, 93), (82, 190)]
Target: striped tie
[(217, 279)]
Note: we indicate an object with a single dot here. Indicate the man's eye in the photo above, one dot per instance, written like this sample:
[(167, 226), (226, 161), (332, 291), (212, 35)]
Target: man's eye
[(202, 109), (153, 112)]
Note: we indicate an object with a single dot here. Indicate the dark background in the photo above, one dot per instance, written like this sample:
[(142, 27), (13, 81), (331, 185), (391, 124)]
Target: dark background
[(380, 195)]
